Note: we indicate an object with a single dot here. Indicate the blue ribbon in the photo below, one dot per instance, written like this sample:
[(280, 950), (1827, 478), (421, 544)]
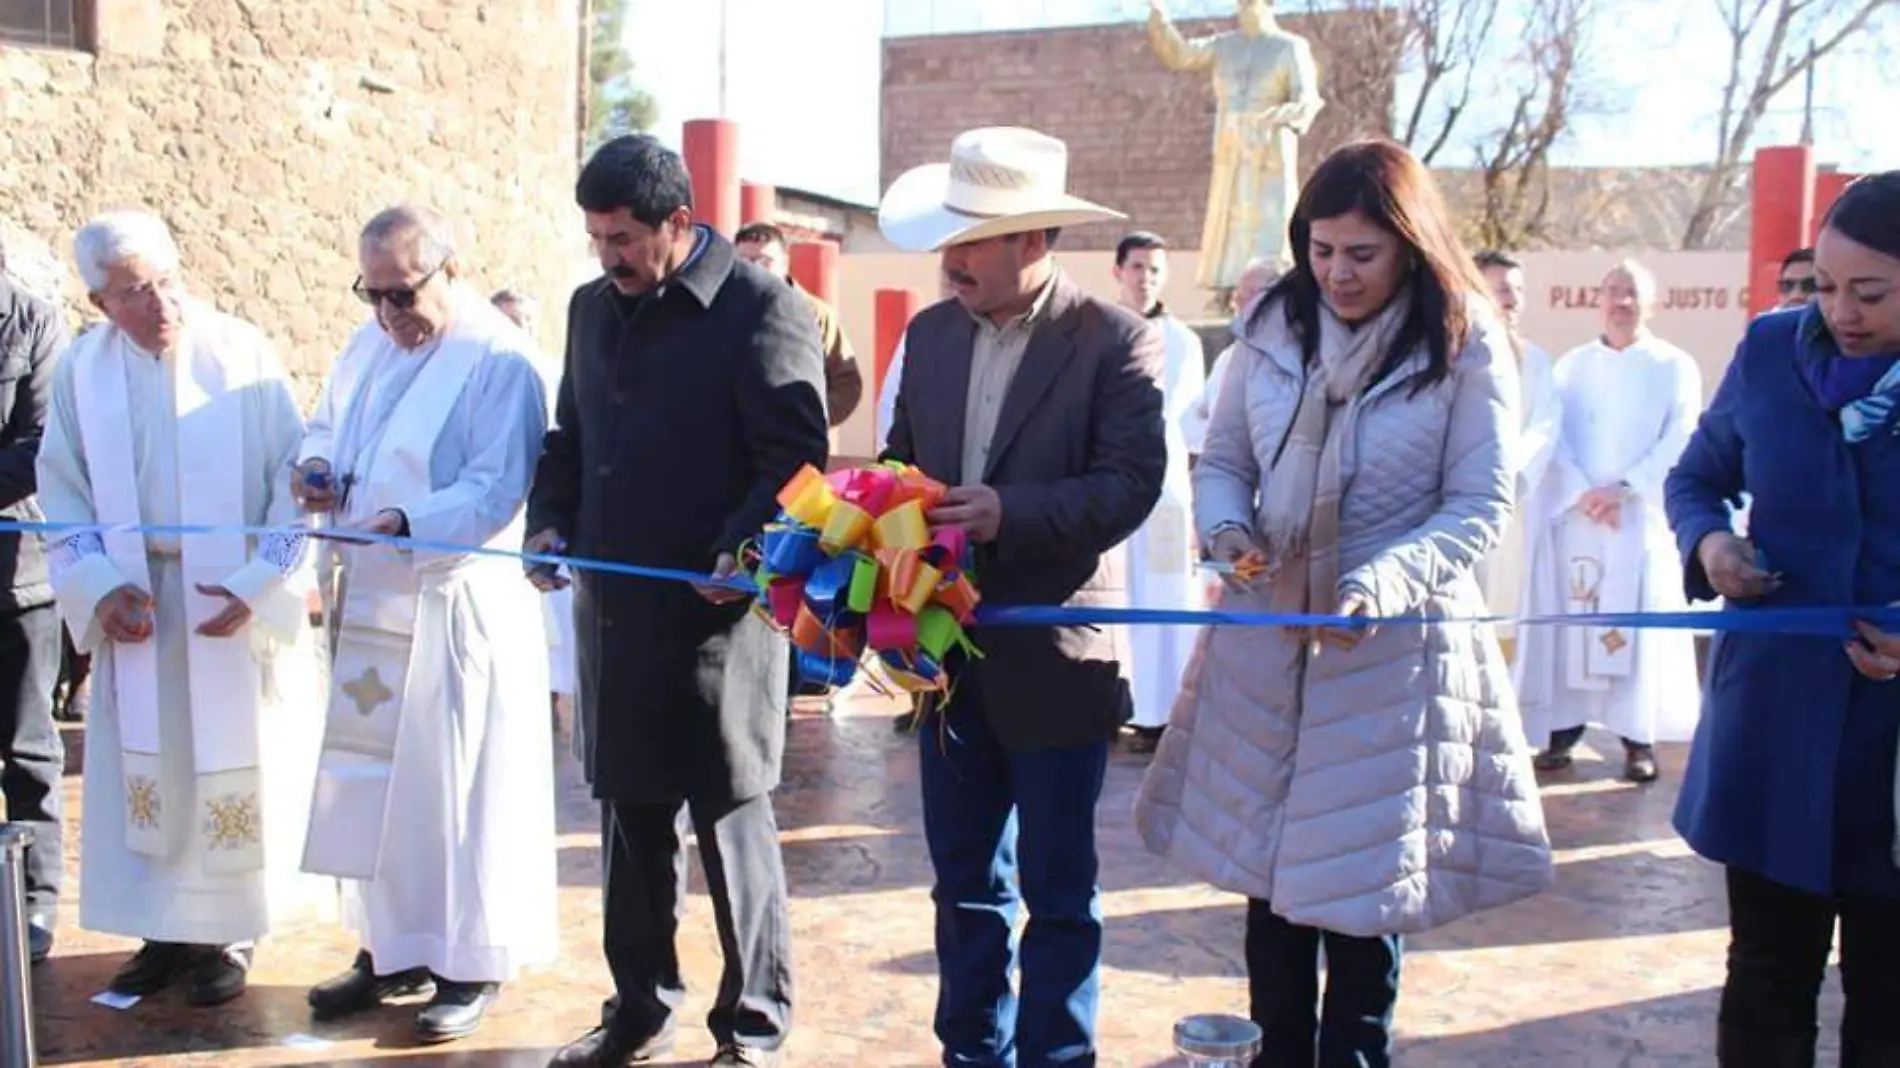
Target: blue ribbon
[(1827, 621)]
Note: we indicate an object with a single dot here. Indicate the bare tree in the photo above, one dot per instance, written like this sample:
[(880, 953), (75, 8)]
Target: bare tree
[(1370, 44), (615, 103), (1772, 45), (1546, 82)]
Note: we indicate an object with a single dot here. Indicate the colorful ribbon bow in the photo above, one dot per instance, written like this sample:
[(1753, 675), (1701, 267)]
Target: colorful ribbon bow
[(852, 566)]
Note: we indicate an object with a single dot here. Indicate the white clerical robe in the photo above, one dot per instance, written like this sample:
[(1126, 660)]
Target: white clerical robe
[(445, 832), (1540, 412), (1162, 554), (558, 605), (1626, 416), (199, 751), (1203, 410)]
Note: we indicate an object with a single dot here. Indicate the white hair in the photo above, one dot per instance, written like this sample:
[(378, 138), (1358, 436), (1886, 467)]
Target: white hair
[(435, 238), (1640, 276), (118, 236)]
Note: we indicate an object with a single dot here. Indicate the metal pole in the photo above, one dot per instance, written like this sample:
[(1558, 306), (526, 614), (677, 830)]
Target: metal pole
[(16, 993), (1217, 1041)]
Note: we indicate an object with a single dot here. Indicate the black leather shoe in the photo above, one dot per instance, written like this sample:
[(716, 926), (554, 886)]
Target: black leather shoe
[(604, 1048), (153, 968), (456, 1011), (361, 989), (1639, 763), (219, 977), (733, 1055), (39, 936)]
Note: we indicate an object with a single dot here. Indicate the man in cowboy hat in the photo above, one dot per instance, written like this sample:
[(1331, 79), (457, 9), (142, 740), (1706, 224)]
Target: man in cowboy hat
[(1039, 405)]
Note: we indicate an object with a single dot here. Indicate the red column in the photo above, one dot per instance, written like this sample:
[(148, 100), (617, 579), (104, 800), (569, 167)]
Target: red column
[(757, 203), (892, 309), (711, 149), (1828, 186), (815, 266), (1782, 199)]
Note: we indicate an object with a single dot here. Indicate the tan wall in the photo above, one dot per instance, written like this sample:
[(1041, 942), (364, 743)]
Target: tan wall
[(1139, 135), (250, 129)]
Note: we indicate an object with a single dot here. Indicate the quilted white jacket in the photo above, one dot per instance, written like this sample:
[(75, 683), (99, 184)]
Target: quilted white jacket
[(1385, 790)]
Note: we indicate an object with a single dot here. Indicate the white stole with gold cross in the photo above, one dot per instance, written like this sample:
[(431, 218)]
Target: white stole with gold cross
[(223, 674), (1603, 573), (383, 466)]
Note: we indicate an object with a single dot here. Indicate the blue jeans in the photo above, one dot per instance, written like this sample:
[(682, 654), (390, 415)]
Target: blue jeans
[(979, 800), (1354, 1027)]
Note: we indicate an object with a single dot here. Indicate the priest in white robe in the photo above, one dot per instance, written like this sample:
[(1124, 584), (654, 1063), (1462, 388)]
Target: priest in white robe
[(1540, 412), (435, 793), (557, 605), (1162, 555), (1599, 542), (201, 741)]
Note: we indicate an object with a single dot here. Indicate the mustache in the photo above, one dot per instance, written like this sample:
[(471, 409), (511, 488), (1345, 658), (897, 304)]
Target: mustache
[(959, 278), (620, 271)]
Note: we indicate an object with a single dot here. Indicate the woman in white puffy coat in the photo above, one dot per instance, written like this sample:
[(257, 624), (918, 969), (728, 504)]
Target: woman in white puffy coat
[(1362, 782)]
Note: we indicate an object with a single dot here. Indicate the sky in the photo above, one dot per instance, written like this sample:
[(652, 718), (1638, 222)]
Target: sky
[(802, 80)]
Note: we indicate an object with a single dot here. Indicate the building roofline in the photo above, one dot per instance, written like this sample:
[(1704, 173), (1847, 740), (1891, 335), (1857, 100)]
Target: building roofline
[(824, 199)]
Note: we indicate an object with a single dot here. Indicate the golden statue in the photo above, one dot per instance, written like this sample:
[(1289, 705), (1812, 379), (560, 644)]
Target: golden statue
[(1266, 86)]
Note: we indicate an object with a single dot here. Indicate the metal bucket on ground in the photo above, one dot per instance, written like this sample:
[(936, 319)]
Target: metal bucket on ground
[(1214, 1041)]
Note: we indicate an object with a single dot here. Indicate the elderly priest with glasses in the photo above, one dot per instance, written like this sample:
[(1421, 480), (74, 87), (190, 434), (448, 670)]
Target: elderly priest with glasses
[(434, 795)]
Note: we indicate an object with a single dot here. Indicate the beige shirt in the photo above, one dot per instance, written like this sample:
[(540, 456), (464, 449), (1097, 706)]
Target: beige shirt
[(994, 357)]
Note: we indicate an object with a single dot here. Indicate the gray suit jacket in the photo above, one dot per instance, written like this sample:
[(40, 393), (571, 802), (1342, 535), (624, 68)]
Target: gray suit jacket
[(1077, 460)]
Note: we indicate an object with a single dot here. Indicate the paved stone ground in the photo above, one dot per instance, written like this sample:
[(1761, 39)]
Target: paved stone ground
[(1618, 966)]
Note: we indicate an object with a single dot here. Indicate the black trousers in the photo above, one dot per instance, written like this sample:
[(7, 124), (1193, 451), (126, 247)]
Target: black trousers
[(645, 852), (32, 757), (1779, 941), (1351, 1026)]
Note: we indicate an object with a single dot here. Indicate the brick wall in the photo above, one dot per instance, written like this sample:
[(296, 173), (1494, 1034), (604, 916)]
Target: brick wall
[(1139, 135), (267, 133)]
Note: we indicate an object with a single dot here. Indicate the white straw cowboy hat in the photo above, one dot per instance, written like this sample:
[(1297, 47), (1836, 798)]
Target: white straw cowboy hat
[(1000, 180)]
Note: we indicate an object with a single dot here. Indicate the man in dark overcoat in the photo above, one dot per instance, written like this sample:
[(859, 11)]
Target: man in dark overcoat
[(1039, 406), (692, 390)]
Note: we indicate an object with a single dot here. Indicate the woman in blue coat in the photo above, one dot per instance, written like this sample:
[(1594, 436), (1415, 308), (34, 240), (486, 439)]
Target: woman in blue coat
[(1791, 783)]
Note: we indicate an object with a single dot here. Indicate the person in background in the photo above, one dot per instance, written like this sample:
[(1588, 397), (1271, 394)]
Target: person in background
[(522, 310), (1790, 784), (765, 245), (1361, 456), (1795, 286), (558, 605), (1539, 407), (1162, 555), (1599, 542), (32, 756), (1254, 281)]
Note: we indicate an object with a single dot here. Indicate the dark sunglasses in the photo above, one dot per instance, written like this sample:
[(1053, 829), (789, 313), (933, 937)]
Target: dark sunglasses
[(1790, 286), (401, 298)]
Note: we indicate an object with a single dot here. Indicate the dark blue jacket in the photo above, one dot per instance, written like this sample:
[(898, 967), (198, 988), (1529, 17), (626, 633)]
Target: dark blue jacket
[(1792, 775)]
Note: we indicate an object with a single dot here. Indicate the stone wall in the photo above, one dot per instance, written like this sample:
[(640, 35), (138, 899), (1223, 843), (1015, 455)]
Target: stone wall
[(267, 132), (1139, 135)]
